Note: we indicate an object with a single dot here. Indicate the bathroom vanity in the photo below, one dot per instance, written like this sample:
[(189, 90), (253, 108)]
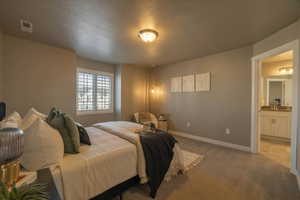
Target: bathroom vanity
[(276, 107), (276, 123)]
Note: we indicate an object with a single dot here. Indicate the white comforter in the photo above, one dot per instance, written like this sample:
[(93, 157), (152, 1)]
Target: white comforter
[(126, 130), (109, 161)]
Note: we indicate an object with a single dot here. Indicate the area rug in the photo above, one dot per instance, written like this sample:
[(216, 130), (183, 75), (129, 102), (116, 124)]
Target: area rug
[(191, 159)]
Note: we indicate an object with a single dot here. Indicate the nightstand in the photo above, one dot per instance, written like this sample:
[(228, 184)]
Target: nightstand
[(45, 176), (163, 125)]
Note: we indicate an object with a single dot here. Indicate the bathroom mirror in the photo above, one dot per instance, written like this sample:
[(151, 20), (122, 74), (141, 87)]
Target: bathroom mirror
[(278, 91)]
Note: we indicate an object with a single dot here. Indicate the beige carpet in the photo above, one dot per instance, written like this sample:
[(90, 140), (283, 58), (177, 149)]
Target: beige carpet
[(225, 174), (190, 160)]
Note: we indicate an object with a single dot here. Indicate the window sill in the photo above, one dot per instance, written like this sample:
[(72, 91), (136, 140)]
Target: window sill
[(79, 113)]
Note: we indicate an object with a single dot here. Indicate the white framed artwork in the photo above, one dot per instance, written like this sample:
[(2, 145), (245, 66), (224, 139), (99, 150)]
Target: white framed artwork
[(176, 84), (188, 83), (203, 82)]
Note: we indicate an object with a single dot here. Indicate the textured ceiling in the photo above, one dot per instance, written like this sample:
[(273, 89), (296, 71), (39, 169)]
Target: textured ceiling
[(106, 30)]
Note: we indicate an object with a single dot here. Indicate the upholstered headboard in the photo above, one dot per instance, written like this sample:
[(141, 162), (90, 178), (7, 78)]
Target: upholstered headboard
[(2, 110)]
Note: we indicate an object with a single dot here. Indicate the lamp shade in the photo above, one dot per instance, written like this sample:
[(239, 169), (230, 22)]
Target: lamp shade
[(11, 145)]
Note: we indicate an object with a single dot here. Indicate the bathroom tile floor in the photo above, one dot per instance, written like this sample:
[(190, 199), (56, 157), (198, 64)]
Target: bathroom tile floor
[(277, 151)]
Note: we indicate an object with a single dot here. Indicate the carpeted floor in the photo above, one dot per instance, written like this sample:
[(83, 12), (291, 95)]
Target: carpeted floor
[(225, 174)]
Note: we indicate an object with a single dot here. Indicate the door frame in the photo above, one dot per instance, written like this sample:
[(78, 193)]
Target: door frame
[(255, 78)]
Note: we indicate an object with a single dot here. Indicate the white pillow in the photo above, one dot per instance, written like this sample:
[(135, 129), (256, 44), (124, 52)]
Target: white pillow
[(43, 146), (31, 116), (14, 120)]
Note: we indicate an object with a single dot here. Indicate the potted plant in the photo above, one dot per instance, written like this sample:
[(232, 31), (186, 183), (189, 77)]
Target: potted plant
[(25, 192)]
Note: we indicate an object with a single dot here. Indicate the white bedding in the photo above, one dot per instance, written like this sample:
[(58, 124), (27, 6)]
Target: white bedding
[(109, 161), (126, 130)]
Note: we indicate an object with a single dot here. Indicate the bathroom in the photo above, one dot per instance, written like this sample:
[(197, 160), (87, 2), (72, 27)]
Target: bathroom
[(275, 114)]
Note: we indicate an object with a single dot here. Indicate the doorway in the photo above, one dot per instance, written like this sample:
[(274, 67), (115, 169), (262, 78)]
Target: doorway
[(274, 112)]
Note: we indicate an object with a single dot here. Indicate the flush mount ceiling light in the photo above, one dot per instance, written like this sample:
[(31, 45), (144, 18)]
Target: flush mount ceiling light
[(286, 70), (148, 35)]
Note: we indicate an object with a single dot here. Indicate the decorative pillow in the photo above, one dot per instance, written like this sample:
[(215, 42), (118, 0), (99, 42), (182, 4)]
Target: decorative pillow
[(84, 137), (15, 116), (73, 132), (67, 129), (31, 116), (14, 120), (43, 146), (53, 112), (32, 110)]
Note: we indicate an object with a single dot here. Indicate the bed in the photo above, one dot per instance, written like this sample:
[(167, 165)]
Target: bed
[(127, 130), (114, 157), (108, 162)]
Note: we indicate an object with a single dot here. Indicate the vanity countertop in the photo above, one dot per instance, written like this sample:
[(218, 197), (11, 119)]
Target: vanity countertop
[(276, 109), (270, 110)]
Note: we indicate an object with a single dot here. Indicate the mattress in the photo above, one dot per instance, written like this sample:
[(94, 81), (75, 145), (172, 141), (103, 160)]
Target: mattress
[(109, 161)]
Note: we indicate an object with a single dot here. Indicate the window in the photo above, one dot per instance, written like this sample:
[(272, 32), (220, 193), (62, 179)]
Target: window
[(94, 92)]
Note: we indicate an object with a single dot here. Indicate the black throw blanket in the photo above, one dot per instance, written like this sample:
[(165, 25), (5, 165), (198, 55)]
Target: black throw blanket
[(158, 151)]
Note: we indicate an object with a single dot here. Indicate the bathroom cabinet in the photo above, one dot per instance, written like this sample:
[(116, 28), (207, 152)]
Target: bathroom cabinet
[(276, 124)]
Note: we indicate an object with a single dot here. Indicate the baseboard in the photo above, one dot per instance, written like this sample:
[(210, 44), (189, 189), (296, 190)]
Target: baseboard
[(211, 141)]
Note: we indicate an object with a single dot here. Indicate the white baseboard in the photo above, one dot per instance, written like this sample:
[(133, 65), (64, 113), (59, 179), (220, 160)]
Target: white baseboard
[(211, 141)]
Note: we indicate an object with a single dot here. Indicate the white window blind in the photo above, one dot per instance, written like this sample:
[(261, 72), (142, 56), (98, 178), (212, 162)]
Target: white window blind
[(94, 92)]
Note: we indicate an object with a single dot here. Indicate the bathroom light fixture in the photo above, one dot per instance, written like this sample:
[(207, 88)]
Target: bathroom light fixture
[(148, 35), (286, 70), (155, 89)]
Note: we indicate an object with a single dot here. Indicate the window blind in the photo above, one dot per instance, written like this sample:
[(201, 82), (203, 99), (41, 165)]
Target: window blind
[(94, 91)]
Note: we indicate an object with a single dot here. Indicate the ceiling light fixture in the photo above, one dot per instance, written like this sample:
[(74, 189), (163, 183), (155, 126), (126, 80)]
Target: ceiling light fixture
[(148, 35), (286, 70)]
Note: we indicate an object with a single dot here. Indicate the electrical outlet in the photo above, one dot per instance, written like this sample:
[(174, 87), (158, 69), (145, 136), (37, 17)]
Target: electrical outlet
[(227, 131), (188, 124)]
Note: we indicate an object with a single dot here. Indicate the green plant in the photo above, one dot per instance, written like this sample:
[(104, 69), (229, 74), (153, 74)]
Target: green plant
[(25, 192)]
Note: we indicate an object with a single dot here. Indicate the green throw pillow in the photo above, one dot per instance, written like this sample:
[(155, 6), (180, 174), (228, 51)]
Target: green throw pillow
[(67, 129), (53, 112), (74, 133)]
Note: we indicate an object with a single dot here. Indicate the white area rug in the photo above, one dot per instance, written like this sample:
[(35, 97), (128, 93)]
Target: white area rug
[(191, 160)]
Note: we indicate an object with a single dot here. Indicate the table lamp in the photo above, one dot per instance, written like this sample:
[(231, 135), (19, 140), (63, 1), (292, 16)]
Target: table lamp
[(11, 149), (162, 117)]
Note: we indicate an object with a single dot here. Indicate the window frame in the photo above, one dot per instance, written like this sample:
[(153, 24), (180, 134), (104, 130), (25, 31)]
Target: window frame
[(95, 72)]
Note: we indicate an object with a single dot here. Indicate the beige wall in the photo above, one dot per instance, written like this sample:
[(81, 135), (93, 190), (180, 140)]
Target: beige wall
[(227, 105), (1, 65), (279, 38), (272, 69), (132, 88), (42, 76)]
